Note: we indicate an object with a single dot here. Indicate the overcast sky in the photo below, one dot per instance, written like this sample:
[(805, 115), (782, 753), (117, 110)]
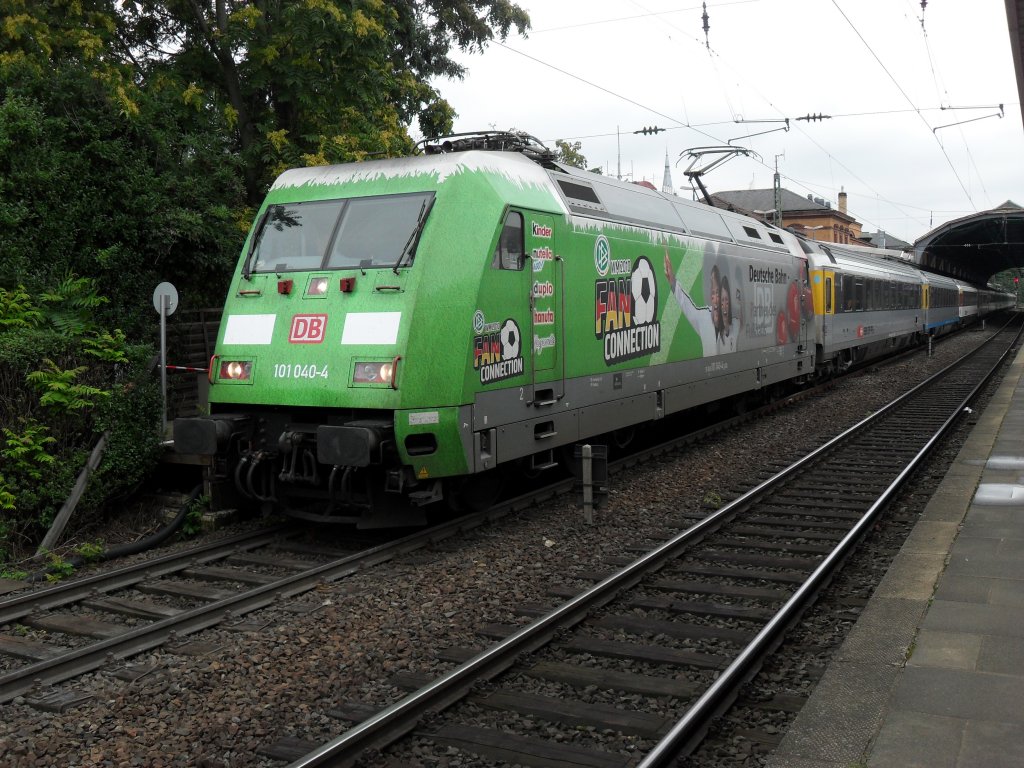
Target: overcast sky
[(592, 69)]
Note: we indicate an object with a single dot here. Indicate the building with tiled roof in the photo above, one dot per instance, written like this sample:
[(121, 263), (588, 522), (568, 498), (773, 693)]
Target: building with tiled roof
[(815, 217), (885, 240)]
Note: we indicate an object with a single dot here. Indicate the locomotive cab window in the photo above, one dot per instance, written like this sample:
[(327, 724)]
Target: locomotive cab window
[(509, 252), (359, 233)]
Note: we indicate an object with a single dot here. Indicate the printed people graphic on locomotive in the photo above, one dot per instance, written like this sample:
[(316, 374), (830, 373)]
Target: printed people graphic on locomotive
[(715, 324), (729, 332)]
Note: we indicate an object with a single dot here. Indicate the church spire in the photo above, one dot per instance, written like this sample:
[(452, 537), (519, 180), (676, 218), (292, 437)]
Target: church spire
[(666, 184)]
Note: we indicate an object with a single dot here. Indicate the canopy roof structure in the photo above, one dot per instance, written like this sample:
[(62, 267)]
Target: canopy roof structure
[(975, 247)]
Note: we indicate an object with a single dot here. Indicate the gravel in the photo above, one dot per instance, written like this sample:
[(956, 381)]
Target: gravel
[(251, 689)]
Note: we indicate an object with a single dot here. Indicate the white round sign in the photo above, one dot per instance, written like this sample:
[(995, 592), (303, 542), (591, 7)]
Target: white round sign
[(168, 290)]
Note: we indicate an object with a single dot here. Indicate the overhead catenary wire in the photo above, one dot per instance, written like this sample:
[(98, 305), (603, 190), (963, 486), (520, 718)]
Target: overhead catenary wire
[(671, 30), (941, 90), (697, 128), (713, 54), (680, 124), (905, 96)]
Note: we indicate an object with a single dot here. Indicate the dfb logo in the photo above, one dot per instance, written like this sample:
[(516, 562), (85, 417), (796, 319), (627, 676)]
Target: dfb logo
[(307, 329)]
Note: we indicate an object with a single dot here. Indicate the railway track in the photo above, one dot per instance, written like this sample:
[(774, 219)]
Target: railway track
[(631, 670), (53, 634), (58, 633)]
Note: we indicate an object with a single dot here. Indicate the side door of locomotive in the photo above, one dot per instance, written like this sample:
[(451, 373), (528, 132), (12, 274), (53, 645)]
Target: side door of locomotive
[(545, 331)]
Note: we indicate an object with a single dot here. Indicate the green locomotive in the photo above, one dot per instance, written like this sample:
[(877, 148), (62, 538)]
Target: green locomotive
[(399, 332)]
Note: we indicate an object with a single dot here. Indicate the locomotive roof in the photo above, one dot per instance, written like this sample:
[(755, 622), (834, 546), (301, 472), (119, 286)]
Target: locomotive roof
[(571, 189), (591, 194), (436, 169)]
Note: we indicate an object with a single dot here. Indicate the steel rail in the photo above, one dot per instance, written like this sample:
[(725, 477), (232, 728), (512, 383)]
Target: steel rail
[(90, 657), (93, 656), (687, 730), (401, 717), (21, 605)]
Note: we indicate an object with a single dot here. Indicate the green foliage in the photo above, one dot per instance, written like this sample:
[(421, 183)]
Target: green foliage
[(106, 346), (193, 522), (128, 165), (21, 350), (304, 82), (569, 152), (26, 454), (60, 391), (57, 567), (89, 551), (147, 205), (6, 502), (17, 310), (132, 417), (72, 304), (80, 386), (713, 499), (136, 140)]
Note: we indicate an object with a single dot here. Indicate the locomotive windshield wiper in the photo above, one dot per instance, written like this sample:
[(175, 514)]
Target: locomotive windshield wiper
[(257, 233), (414, 238)]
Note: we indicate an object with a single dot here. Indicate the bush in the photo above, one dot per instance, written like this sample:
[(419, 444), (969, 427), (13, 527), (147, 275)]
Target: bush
[(63, 383)]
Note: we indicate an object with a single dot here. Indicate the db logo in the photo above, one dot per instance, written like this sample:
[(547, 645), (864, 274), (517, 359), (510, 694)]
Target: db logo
[(307, 329)]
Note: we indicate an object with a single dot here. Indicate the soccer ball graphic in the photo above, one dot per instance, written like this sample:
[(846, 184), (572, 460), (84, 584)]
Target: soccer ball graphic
[(645, 295), (510, 340)]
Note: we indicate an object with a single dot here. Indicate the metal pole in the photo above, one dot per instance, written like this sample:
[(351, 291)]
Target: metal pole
[(588, 484), (618, 154), (163, 365), (777, 181)]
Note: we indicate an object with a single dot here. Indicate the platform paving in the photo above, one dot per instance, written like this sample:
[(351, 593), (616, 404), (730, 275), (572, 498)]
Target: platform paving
[(932, 675)]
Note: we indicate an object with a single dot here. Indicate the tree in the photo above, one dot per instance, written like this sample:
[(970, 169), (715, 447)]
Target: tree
[(135, 138), (129, 202), (570, 154), (306, 82)]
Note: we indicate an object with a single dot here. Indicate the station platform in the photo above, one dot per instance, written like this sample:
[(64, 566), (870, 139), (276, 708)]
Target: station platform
[(932, 674)]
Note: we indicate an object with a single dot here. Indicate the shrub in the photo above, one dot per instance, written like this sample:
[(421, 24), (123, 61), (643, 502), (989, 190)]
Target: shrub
[(63, 383)]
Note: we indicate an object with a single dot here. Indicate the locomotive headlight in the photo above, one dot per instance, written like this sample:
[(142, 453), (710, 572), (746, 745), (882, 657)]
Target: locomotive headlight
[(375, 372), (235, 370)]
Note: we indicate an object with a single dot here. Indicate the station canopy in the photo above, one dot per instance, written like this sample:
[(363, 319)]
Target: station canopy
[(975, 247)]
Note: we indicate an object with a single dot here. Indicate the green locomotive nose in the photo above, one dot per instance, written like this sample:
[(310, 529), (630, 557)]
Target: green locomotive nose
[(346, 372)]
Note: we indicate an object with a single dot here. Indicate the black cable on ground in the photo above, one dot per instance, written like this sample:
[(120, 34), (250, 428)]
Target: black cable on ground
[(124, 550)]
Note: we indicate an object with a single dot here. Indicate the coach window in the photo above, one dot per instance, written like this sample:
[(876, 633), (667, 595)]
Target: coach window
[(509, 252)]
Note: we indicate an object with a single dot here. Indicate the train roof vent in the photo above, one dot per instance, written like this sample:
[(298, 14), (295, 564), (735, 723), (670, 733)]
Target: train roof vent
[(580, 194), (749, 233), (775, 238)]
